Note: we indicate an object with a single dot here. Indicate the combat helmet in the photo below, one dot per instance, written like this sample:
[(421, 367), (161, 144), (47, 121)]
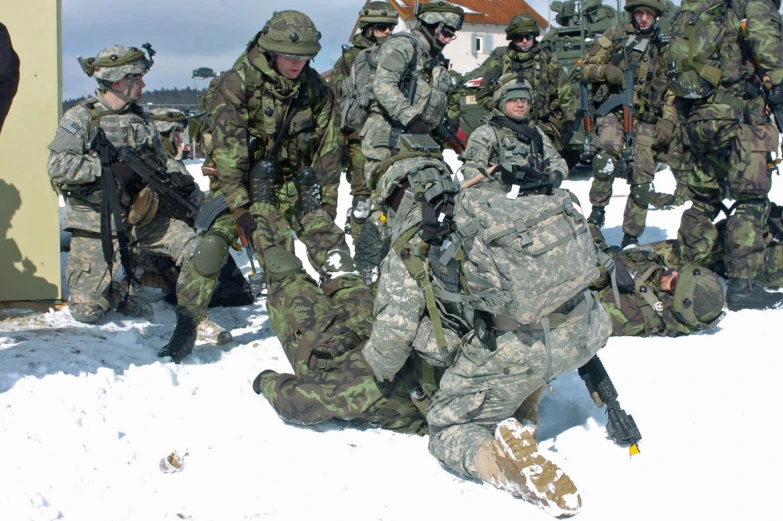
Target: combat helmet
[(117, 62), (510, 88), (377, 13), (522, 24), (655, 5), (290, 34), (698, 297), (167, 120), (438, 12)]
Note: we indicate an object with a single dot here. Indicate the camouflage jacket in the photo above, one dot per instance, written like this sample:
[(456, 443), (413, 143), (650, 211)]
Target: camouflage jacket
[(396, 57), (252, 101), (652, 101), (484, 150), (553, 96), (76, 172), (342, 68), (646, 310)]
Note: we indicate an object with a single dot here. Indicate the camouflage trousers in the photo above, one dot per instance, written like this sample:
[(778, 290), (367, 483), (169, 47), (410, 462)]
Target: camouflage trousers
[(729, 160), (609, 140), (88, 276), (322, 330), (317, 231), (355, 175), (483, 387), (375, 147), (677, 156)]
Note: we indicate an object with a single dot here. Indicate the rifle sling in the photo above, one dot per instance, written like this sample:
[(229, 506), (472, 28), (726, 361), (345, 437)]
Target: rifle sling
[(111, 207), (292, 109)]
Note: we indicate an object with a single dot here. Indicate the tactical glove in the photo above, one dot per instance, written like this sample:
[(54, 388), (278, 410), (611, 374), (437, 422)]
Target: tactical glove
[(614, 75), (417, 126), (453, 124), (663, 133), (127, 180), (567, 132), (775, 95), (184, 184), (245, 223)]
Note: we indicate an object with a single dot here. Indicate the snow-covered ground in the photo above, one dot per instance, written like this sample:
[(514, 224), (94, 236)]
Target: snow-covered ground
[(88, 412)]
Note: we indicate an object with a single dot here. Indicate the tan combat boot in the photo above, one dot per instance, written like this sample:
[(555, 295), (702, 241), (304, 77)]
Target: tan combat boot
[(512, 462), (212, 333)]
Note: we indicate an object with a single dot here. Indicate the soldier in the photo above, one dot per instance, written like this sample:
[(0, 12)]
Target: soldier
[(376, 22), (730, 137), (507, 139), (676, 156), (291, 163), (76, 172), (553, 105), (634, 46), (647, 297), (9, 73), (170, 123), (412, 82)]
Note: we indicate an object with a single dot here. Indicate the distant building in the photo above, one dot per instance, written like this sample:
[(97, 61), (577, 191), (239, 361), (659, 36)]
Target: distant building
[(483, 30)]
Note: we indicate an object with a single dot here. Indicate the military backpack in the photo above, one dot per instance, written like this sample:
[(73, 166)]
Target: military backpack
[(695, 59)]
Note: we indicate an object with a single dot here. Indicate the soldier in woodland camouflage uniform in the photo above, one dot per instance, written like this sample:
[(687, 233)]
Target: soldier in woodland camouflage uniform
[(170, 123), (677, 157), (506, 138), (402, 57), (270, 83), (376, 23), (654, 116), (729, 138), (76, 172), (644, 296), (553, 104)]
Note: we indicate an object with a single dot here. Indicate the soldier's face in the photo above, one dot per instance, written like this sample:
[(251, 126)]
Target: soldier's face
[(382, 30), (136, 87), (517, 108), (446, 35), (667, 281), (525, 41), (644, 18), (289, 68)]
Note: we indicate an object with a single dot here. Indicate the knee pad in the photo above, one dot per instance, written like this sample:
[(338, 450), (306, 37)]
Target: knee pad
[(603, 164), (211, 253), (281, 263), (642, 194)]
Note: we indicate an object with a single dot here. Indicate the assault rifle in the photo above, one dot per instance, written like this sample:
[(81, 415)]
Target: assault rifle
[(620, 426), (766, 83), (449, 136), (584, 112)]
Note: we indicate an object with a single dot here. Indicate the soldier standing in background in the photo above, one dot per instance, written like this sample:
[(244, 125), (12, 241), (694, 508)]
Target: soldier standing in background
[(729, 135), (170, 123), (553, 104), (634, 46), (376, 22)]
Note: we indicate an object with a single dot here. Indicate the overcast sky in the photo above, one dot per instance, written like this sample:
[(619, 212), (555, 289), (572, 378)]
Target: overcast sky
[(193, 33)]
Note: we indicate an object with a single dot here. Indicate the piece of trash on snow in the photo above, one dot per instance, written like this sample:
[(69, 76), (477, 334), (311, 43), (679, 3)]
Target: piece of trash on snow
[(172, 463)]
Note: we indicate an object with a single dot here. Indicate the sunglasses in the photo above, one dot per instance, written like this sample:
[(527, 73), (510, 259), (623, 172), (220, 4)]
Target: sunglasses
[(448, 33), (525, 36), (385, 27)]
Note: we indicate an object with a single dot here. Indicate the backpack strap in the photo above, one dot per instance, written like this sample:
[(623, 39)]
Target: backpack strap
[(646, 292)]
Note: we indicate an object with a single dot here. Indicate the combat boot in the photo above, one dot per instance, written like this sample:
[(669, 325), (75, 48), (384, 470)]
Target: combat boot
[(262, 182), (208, 331), (597, 216), (629, 241), (746, 294), (309, 190), (182, 341), (511, 462), (130, 305)]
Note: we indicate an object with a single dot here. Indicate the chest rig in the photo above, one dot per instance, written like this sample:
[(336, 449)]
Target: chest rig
[(644, 52)]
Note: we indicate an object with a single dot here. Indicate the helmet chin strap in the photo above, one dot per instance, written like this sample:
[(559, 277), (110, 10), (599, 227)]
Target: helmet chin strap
[(124, 96)]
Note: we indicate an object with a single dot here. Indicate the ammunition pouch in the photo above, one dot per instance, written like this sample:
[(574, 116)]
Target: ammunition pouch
[(88, 193), (143, 208)]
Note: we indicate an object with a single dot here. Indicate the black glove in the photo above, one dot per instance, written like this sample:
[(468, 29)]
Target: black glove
[(184, 184), (127, 180), (245, 223), (453, 124), (775, 95), (614, 75), (567, 132), (622, 276), (417, 126), (557, 178)]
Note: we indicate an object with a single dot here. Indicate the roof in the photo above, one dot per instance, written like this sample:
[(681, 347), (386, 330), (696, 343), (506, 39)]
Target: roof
[(495, 12)]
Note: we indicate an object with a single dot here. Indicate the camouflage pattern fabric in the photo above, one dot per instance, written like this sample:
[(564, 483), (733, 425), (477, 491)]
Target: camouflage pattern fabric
[(76, 173), (252, 101), (609, 137), (729, 139), (553, 101), (483, 151), (483, 387), (677, 156)]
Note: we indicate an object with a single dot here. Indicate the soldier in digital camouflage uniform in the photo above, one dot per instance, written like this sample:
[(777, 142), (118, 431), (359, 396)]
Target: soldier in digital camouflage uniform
[(729, 138), (654, 116), (269, 83), (645, 296), (506, 138), (376, 22), (76, 172), (401, 57), (553, 104), (170, 123)]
